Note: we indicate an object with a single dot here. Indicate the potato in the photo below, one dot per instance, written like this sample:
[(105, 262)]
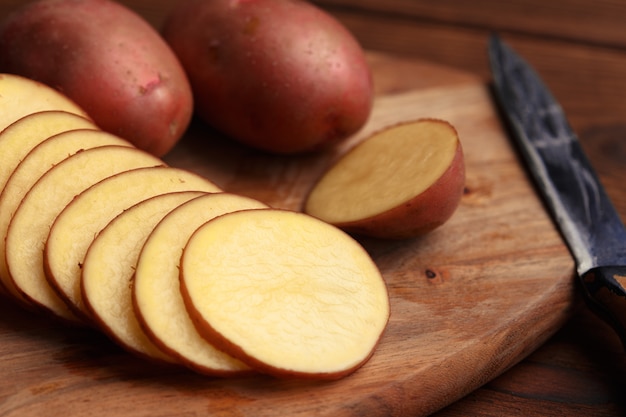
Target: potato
[(108, 60), (104, 248), (109, 267), (20, 97), (28, 230), (79, 222), (28, 172), (282, 76), (401, 182), (29, 113), (157, 300), (23, 135), (285, 293)]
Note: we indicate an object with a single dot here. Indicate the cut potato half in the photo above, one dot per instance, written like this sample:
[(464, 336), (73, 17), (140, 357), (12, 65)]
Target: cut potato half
[(34, 165), (284, 292), (20, 96), (29, 227), (401, 182), (156, 290), (26, 133), (79, 223), (109, 267)]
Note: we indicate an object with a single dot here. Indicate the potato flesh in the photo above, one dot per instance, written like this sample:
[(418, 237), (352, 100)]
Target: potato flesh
[(29, 227), (21, 96), (156, 289), (75, 227), (23, 135), (109, 266), (383, 172), (16, 141), (34, 165), (285, 292)]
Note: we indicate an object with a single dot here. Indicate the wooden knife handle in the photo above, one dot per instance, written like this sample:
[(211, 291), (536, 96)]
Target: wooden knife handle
[(605, 289)]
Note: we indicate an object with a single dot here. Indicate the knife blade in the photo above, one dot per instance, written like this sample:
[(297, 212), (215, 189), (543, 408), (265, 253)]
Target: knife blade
[(565, 178)]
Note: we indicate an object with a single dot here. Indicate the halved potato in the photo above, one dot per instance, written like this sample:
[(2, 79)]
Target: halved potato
[(284, 292), (26, 133), (28, 230), (109, 267), (35, 164), (156, 288), (20, 96), (78, 224), (401, 182)]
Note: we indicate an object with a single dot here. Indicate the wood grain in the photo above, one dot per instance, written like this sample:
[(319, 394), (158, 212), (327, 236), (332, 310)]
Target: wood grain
[(468, 301), (572, 20), (565, 66)]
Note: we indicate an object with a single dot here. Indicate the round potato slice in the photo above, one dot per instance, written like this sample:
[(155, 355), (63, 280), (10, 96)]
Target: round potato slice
[(109, 267), (26, 133), (28, 230), (77, 225), (401, 182), (156, 291), (284, 292), (20, 96), (34, 165)]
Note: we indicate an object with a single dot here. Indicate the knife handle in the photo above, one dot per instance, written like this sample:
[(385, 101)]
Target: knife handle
[(605, 288)]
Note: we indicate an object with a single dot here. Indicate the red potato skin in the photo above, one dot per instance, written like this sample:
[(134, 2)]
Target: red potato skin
[(423, 213), (279, 75), (107, 59)]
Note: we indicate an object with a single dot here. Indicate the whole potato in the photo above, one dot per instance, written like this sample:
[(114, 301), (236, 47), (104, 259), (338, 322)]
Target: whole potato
[(280, 75), (107, 59)]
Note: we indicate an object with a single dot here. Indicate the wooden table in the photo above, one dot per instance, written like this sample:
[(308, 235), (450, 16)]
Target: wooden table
[(580, 49)]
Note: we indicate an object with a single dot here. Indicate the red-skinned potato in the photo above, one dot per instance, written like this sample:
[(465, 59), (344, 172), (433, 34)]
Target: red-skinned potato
[(401, 182), (108, 60), (279, 75)]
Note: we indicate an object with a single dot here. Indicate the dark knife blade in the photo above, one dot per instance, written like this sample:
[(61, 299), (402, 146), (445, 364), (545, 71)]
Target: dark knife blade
[(567, 182)]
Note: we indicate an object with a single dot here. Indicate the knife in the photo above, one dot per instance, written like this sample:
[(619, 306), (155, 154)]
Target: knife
[(577, 202)]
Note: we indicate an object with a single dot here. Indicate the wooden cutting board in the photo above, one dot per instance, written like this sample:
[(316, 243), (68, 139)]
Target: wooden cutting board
[(468, 301)]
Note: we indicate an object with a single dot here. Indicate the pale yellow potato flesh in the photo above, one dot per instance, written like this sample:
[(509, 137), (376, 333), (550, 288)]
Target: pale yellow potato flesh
[(34, 165), (29, 227), (77, 225), (21, 96), (26, 133), (18, 139), (109, 266), (284, 292), (156, 290), (383, 172)]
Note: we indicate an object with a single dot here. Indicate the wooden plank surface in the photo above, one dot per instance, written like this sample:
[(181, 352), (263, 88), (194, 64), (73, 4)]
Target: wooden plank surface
[(574, 20), (567, 67)]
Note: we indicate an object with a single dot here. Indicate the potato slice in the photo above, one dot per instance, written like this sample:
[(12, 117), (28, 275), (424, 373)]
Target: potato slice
[(156, 290), (28, 230), (401, 182), (35, 164), (77, 225), (21, 96), (23, 135), (284, 292), (109, 267)]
